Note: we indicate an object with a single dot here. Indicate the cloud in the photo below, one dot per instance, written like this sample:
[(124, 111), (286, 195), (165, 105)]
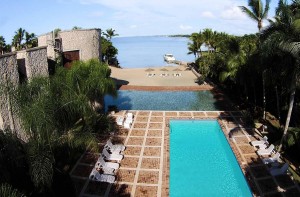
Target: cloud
[(207, 14), (96, 14), (153, 16), (133, 26), (233, 13), (185, 27)]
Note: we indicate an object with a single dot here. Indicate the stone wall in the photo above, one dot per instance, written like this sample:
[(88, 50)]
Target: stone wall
[(9, 79), (87, 41), (36, 62)]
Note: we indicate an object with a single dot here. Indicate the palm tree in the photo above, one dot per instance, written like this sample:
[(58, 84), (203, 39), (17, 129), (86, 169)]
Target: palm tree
[(55, 32), (50, 120), (108, 50), (256, 11), (258, 14), (2, 45), (194, 47), (91, 78), (18, 38), (30, 40), (110, 33), (209, 38), (284, 34)]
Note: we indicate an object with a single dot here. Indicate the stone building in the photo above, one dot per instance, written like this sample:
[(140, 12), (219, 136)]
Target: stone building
[(20, 66), (79, 44)]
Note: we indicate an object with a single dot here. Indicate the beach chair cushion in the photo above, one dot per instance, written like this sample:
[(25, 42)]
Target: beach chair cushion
[(264, 140), (102, 163), (267, 151), (114, 148), (96, 176), (111, 156)]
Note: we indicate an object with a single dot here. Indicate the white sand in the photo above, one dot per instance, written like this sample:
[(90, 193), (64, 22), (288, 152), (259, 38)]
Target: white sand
[(138, 76)]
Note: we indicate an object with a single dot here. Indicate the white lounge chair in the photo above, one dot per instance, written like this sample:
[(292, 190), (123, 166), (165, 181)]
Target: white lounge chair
[(127, 124), (129, 115), (96, 176), (267, 151), (107, 156), (272, 159), (151, 74), (106, 170), (102, 163), (264, 140), (274, 171), (116, 149), (129, 120), (120, 120)]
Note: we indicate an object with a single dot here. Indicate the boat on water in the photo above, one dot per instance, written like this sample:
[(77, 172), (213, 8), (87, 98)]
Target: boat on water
[(169, 57)]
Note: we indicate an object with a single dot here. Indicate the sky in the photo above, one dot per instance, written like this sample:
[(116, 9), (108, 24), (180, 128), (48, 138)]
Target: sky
[(127, 17)]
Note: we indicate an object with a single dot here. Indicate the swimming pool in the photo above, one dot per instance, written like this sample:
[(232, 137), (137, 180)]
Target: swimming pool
[(163, 100), (202, 162)]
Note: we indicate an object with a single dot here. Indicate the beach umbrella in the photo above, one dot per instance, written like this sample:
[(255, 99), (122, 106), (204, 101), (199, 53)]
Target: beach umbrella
[(149, 70), (177, 69), (164, 69)]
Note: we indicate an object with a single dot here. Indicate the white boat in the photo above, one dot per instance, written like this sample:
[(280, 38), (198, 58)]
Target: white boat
[(169, 57)]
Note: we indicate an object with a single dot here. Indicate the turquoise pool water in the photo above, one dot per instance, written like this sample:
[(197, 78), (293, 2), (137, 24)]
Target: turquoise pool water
[(202, 162), (163, 100)]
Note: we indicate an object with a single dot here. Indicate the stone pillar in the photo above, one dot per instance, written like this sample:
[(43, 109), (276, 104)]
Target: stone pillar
[(9, 79), (36, 62)]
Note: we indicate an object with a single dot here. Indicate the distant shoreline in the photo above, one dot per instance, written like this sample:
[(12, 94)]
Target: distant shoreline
[(176, 36)]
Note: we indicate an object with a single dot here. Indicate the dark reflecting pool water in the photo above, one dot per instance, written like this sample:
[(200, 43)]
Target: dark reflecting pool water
[(163, 100)]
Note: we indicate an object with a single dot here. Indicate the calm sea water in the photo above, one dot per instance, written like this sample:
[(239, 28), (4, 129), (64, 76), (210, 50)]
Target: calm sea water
[(202, 162), (148, 51)]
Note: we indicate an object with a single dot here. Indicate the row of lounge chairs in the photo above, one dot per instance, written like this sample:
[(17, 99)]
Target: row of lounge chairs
[(274, 157), (164, 75), (128, 120), (104, 171)]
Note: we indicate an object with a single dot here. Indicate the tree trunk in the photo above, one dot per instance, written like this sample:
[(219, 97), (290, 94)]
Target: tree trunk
[(278, 106), (291, 104), (264, 95)]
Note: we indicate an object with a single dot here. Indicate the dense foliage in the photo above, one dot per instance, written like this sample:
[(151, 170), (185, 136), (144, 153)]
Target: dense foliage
[(108, 50), (59, 115)]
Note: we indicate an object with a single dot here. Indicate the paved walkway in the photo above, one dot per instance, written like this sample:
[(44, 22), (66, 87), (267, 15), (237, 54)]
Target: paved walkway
[(145, 169)]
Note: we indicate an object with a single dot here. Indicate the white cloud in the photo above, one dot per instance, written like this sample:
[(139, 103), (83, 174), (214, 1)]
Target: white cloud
[(160, 17), (96, 14), (233, 13), (185, 27), (133, 26), (207, 14)]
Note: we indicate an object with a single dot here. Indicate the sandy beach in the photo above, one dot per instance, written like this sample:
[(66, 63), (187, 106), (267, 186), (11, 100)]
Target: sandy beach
[(139, 76)]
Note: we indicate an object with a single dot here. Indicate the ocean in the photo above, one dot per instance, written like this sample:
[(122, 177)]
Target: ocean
[(148, 51)]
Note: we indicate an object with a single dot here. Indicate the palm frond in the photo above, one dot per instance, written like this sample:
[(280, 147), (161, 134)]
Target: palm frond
[(249, 13), (41, 161), (266, 10), (8, 190), (292, 48)]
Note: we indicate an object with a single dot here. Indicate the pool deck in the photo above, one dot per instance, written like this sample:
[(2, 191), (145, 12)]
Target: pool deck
[(144, 171)]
